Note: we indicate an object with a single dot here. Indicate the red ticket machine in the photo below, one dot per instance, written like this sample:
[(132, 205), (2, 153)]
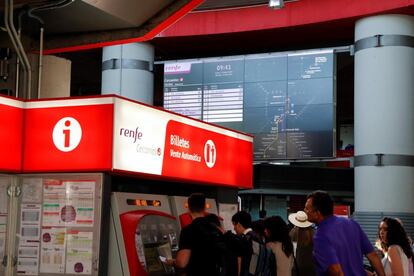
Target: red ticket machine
[(142, 233), (179, 208)]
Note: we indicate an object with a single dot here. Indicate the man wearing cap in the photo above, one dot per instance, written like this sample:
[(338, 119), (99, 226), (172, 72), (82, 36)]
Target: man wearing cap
[(339, 243), (302, 235)]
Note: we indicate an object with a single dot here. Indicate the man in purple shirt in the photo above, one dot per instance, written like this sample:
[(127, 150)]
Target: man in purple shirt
[(339, 243)]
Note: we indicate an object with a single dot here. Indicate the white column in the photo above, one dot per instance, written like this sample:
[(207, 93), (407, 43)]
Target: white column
[(127, 71)]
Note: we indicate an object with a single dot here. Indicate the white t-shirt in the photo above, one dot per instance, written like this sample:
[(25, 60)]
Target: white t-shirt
[(404, 261)]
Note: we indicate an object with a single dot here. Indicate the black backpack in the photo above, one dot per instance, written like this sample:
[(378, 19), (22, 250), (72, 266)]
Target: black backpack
[(214, 243)]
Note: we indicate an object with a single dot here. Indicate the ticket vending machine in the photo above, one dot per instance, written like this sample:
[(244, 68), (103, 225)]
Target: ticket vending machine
[(179, 208), (142, 232)]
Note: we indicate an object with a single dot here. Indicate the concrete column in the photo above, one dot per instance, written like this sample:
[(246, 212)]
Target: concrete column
[(384, 118), (127, 71)]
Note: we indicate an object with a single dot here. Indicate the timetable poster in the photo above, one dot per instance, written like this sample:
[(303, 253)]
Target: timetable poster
[(52, 251), (68, 203), (28, 258), (28, 253), (30, 227), (79, 252)]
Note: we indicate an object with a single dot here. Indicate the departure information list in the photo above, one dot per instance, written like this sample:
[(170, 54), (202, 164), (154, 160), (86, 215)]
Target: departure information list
[(286, 100), (183, 88), (223, 103)]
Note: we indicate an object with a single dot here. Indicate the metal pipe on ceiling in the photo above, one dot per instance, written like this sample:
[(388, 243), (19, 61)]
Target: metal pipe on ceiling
[(17, 44), (12, 38), (40, 65)]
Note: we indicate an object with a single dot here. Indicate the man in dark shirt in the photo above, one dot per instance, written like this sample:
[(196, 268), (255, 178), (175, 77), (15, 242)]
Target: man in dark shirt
[(197, 254), (242, 223), (228, 246)]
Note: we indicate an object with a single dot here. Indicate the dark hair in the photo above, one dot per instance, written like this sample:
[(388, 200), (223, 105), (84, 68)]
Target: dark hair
[(396, 235), (322, 202), (258, 227), (303, 236), (262, 214), (196, 202), (278, 231), (213, 219), (243, 218)]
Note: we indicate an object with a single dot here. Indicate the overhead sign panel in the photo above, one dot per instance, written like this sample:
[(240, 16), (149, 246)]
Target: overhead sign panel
[(110, 133), (68, 135), (11, 131), (151, 141)]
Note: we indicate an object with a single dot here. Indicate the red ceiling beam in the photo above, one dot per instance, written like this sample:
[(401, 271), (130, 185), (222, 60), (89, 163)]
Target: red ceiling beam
[(301, 12), (146, 37)]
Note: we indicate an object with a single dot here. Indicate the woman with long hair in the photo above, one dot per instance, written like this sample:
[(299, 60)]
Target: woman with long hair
[(302, 236), (396, 247), (278, 240)]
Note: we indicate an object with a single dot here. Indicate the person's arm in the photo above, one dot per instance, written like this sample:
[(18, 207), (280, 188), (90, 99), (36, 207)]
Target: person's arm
[(395, 261), (238, 266), (376, 263), (335, 270), (182, 258)]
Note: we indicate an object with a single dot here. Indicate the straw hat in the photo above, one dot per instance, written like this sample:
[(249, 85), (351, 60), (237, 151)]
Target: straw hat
[(300, 219)]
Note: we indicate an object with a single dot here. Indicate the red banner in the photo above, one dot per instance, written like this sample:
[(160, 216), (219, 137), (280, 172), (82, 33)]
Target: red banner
[(11, 129), (206, 156), (68, 138)]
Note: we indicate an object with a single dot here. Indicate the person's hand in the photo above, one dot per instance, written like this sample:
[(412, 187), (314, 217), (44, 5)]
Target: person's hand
[(170, 262)]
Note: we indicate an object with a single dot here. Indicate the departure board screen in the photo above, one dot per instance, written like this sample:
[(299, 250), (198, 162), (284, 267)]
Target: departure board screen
[(286, 100), (183, 88)]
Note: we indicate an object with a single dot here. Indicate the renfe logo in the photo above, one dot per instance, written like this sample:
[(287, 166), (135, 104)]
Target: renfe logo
[(67, 134), (174, 68), (210, 153)]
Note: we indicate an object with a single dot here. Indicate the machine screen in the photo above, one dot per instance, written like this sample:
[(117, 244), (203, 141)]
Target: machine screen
[(156, 236), (154, 264)]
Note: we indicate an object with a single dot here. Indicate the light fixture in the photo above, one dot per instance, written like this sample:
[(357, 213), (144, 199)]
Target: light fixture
[(276, 4)]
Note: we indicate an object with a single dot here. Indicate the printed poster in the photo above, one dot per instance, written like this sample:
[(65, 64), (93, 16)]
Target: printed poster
[(4, 200), (2, 244), (28, 253), (80, 195), (52, 251), (28, 259), (226, 211), (68, 203), (32, 190), (3, 214), (30, 222), (79, 252), (54, 197)]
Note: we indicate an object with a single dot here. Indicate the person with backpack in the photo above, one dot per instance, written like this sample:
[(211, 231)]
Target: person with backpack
[(227, 249), (250, 245), (198, 245), (278, 240)]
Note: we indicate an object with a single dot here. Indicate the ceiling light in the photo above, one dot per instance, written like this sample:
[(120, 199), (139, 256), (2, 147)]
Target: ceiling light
[(276, 4)]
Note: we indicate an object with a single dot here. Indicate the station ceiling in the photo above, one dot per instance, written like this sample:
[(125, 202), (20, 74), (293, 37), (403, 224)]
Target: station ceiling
[(75, 23)]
